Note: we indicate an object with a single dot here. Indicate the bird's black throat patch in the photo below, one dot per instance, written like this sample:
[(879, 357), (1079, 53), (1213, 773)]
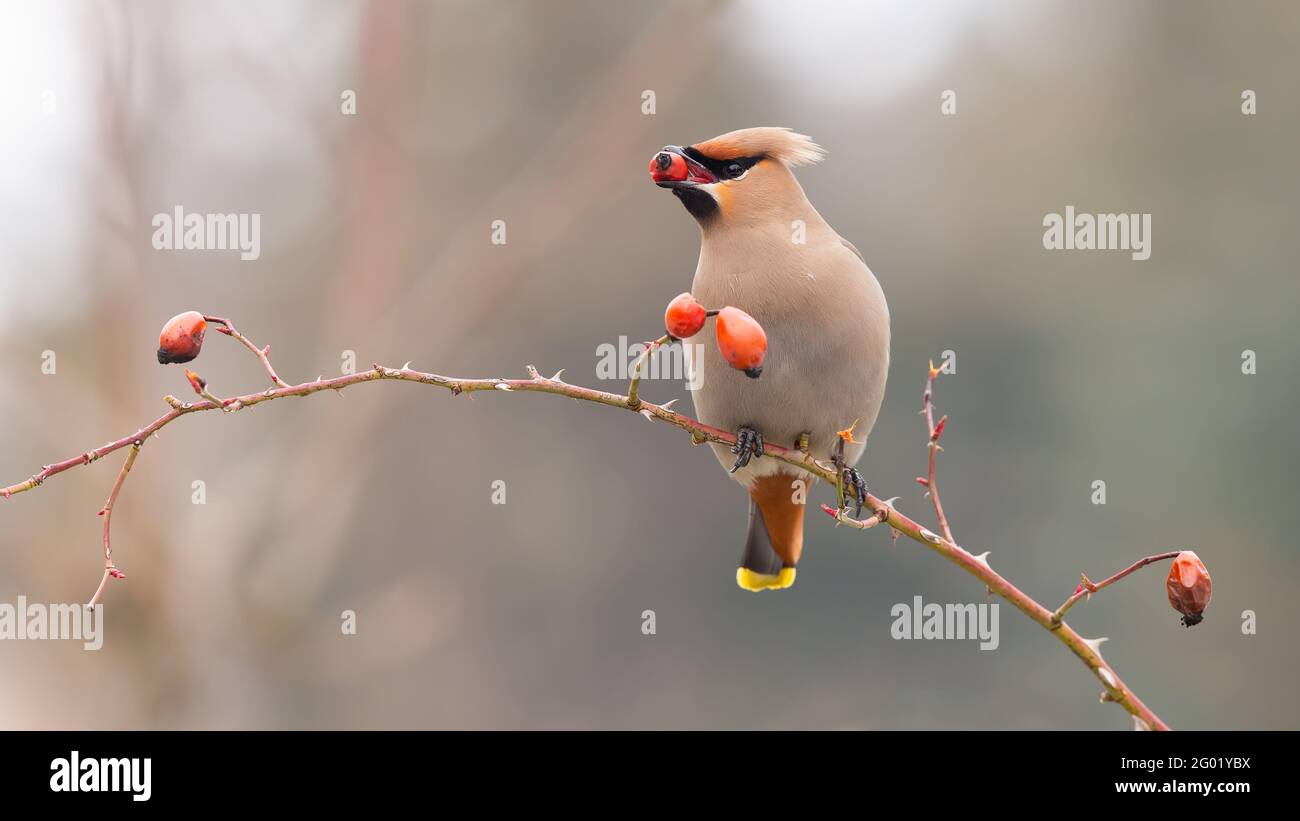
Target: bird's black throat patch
[(701, 204)]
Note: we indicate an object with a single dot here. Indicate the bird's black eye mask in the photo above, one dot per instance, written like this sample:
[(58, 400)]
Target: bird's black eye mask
[(724, 169)]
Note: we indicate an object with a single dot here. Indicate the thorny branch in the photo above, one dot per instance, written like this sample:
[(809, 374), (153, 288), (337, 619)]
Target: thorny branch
[(227, 328), (883, 511), (107, 512), (936, 431), (1087, 587)]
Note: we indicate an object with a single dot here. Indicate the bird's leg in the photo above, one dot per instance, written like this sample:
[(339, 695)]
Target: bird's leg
[(851, 486), (858, 488), (749, 444)]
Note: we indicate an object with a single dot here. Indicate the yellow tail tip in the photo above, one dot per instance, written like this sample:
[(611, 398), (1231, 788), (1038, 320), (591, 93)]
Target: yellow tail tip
[(754, 582)]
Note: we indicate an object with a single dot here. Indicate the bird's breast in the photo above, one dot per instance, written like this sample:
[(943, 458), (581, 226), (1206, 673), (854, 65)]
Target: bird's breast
[(827, 326)]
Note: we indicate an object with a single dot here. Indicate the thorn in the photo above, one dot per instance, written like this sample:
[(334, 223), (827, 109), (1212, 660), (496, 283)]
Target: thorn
[(1140, 726), (501, 386), (1108, 677), (646, 413), (1095, 644), (406, 367), (938, 429), (556, 378), (930, 537), (983, 559)]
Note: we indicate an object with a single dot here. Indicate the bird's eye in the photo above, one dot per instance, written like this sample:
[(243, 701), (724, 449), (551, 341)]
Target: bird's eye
[(735, 170)]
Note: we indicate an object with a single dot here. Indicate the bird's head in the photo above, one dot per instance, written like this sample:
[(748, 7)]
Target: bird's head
[(741, 176)]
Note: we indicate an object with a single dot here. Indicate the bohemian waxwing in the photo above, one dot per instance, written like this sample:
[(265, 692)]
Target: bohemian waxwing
[(766, 250)]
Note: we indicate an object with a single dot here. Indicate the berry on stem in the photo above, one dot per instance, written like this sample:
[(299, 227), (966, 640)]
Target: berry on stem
[(742, 341), (181, 338), (684, 317), (1189, 587)]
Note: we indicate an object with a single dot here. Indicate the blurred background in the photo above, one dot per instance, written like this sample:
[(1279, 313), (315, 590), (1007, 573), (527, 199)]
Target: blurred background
[(376, 239)]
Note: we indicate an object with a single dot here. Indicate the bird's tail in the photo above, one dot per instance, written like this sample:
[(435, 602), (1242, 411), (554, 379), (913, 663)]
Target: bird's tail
[(775, 538)]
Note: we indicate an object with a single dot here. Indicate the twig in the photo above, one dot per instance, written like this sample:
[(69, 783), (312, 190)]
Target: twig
[(883, 512), (841, 516), (107, 512), (936, 431), (1087, 587), (227, 328), (633, 399)]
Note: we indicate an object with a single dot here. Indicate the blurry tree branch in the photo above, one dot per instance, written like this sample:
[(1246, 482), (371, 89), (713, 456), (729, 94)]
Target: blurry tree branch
[(883, 512)]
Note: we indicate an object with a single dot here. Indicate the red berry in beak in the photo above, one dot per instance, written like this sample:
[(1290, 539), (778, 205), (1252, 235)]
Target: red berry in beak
[(684, 317), (181, 338), (667, 166), (1188, 586), (742, 341)]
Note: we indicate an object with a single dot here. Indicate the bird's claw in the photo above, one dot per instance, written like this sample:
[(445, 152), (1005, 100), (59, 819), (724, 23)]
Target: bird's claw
[(749, 444), (855, 490)]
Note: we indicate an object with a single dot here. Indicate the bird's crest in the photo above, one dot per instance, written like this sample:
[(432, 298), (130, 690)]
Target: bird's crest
[(768, 141)]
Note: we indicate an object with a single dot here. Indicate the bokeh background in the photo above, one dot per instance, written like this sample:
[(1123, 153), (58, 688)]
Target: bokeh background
[(1071, 367)]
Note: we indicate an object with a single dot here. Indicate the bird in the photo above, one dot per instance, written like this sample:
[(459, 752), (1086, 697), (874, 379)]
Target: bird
[(766, 250)]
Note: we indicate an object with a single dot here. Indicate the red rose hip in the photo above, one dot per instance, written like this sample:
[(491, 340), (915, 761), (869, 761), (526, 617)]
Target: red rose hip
[(181, 338), (1189, 587), (684, 317), (742, 341), (668, 167)]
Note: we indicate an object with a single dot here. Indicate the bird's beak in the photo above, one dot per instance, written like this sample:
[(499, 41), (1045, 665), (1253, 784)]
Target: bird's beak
[(671, 168)]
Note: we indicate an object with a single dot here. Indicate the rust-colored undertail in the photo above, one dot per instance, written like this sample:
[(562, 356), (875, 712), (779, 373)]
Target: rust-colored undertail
[(775, 539)]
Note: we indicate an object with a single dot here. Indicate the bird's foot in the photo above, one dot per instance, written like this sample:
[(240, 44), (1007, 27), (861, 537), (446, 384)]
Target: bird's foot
[(749, 445), (855, 490)]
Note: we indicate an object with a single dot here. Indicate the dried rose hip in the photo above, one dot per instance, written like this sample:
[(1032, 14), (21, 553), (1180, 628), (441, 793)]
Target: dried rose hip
[(684, 317), (742, 341), (181, 338), (1189, 587)]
